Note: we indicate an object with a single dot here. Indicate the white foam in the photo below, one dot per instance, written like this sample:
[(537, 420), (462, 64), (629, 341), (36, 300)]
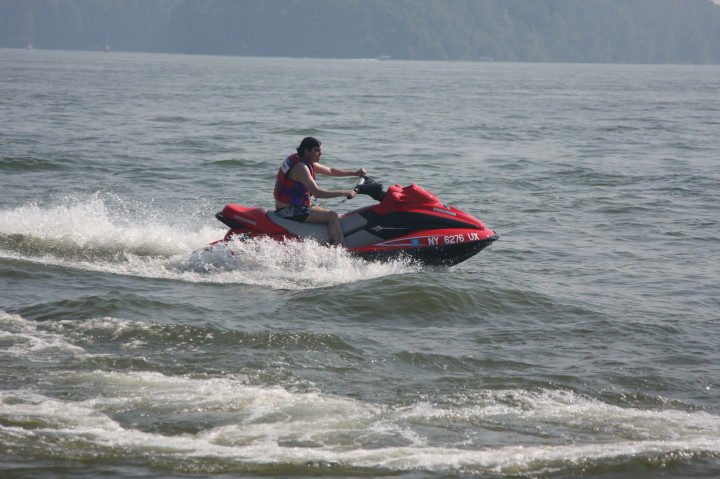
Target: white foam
[(271, 425), (109, 222), (20, 337), (107, 235), (289, 265), (564, 409)]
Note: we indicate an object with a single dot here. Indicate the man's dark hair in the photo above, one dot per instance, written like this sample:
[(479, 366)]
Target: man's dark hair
[(308, 143)]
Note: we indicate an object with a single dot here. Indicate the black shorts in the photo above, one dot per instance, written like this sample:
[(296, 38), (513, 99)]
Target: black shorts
[(294, 212)]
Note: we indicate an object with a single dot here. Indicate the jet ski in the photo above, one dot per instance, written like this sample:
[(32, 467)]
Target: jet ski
[(405, 222)]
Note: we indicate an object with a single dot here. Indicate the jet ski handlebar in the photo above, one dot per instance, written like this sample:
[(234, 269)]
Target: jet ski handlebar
[(367, 186)]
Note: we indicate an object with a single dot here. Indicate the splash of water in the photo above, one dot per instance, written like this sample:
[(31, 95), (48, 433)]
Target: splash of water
[(111, 235)]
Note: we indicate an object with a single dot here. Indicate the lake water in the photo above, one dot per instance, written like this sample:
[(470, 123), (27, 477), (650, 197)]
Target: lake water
[(584, 343)]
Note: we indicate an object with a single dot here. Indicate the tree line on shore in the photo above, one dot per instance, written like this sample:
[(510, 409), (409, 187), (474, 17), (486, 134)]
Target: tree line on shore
[(617, 31)]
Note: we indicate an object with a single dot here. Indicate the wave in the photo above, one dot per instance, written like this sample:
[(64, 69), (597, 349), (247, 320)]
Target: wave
[(226, 424), (26, 164), (109, 234), (221, 422)]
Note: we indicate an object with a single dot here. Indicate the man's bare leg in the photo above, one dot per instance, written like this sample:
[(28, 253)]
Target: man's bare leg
[(321, 215)]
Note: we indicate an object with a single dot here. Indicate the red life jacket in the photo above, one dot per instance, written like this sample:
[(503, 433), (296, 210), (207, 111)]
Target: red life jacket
[(287, 190)]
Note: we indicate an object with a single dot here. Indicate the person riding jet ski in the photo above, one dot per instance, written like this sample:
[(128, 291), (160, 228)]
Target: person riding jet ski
[(295, 184)]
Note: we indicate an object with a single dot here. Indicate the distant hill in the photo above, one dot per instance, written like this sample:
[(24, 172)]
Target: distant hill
[(618, 31)]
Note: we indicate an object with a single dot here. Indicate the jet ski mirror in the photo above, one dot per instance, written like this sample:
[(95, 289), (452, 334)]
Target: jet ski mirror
[(370, 187)]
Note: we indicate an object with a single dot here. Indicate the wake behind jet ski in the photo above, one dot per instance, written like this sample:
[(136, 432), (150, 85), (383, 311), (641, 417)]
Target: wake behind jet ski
[(406, 222)]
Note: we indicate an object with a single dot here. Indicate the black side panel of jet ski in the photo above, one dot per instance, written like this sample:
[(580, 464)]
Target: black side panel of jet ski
[(391, 225)]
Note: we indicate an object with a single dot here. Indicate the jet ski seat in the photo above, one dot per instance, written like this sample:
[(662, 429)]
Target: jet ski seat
[(318, 231)]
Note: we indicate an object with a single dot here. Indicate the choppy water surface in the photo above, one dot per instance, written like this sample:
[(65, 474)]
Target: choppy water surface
[(584, 343)]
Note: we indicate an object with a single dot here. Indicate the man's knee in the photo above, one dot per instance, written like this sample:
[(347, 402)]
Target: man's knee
[(330, 216)]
